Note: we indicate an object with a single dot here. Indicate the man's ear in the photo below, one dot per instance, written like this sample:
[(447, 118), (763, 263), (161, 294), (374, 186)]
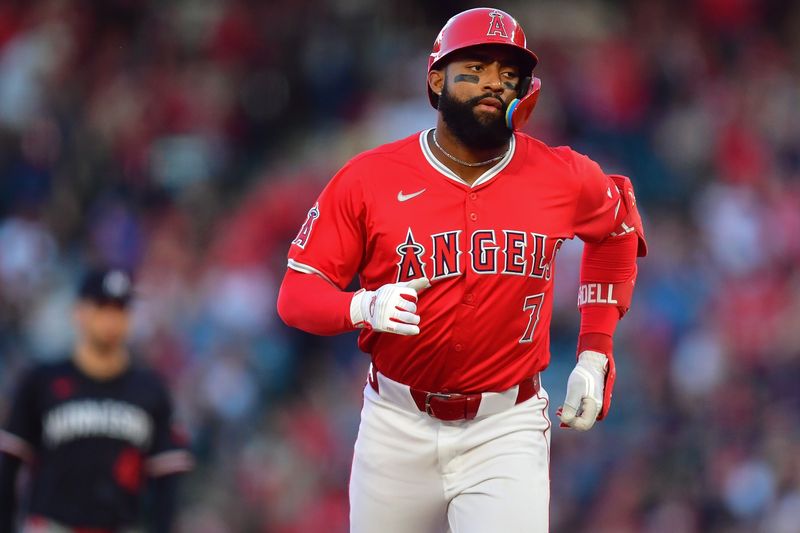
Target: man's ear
[(436, 81)]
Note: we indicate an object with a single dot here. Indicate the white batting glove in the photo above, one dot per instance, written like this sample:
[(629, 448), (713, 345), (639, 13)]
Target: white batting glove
[(584, 391), (392, 308)]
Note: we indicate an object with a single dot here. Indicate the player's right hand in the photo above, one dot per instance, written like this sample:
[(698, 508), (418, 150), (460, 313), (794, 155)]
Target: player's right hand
[(392, 308)]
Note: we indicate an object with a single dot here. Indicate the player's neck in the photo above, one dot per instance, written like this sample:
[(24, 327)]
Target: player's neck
[(450, 144), (101, 364)]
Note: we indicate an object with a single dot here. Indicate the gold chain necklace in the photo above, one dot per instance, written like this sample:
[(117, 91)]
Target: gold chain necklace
[(467, 163)]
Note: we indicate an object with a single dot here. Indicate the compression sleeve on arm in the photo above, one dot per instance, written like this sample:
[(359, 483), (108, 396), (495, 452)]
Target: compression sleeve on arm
[(312, 304), (608, 275)]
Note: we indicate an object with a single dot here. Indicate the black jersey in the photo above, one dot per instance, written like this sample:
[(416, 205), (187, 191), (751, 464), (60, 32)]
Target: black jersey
[(92, 443)]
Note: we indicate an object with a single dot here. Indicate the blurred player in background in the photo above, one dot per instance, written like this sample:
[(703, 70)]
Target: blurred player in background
[(454, 232), (94, 429)]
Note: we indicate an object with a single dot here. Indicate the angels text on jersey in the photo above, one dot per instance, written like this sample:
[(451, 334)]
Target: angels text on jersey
[(510, 252)]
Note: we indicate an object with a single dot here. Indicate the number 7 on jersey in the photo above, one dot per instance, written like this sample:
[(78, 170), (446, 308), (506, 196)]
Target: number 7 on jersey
[(534, 304)]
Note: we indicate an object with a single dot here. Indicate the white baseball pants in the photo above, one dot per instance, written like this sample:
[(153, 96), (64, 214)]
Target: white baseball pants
[(415, 474)]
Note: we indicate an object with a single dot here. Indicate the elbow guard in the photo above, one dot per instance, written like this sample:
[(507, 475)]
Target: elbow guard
[(608, 268), (631, 221)]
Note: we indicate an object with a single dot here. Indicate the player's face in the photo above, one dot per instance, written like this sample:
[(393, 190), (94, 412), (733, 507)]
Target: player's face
[(104, 326), (477, 87)]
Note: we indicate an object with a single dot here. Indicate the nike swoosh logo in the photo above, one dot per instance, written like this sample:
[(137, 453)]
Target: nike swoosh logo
[(404, 197)]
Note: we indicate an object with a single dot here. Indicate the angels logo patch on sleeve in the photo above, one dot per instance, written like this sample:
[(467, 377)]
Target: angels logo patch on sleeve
[(308, 225)]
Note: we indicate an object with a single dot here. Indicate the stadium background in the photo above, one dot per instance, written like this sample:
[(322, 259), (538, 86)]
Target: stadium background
[(187, 139)]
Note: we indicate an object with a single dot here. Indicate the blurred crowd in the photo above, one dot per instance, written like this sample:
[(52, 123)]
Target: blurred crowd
[(186, 139)]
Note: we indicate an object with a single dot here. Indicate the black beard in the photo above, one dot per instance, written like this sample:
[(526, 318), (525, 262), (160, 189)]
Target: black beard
[(473, 132)]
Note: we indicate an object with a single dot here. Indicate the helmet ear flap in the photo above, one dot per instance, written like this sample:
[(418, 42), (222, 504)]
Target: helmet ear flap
[(520, 109), (524, 86)]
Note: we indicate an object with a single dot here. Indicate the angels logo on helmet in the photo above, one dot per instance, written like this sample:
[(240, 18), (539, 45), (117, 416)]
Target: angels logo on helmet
[(496, 26)]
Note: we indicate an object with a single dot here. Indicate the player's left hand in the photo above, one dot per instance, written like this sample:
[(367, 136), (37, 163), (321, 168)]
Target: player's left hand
[(584, 392)]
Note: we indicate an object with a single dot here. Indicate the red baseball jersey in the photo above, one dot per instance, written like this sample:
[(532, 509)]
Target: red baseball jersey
[(396, 213)]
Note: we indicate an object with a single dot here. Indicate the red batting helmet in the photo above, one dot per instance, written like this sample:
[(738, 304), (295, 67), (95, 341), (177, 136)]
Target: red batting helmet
[(486, 25)]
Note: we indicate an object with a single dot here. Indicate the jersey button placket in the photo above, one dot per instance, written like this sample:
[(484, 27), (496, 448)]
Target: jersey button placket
[(468, 299), (473, 214)]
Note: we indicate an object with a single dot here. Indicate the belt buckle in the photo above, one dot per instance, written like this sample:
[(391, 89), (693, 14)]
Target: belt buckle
[(443, 395)]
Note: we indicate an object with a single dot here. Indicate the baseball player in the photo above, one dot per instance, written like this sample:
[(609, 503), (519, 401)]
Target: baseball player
[(93, 428), (453, 233)]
